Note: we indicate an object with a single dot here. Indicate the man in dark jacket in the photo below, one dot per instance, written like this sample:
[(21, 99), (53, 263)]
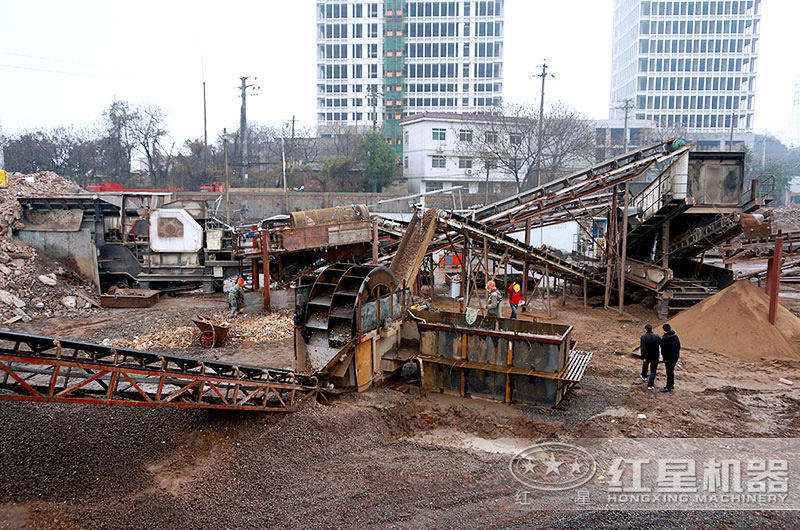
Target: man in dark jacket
[(648, 345), (670, 352)]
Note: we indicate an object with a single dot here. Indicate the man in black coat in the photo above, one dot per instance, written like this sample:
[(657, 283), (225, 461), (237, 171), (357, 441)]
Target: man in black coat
[(648, 345), (670, 352)]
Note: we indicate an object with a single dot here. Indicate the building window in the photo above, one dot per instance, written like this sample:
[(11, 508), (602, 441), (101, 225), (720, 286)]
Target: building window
[(490, 163), (491, 137), (465, 135), (439, 134), (464, 162), (438, 161)]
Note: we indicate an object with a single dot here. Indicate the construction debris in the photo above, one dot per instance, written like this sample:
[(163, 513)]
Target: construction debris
[(254, 329), (734, 322), (36, 184), (29, 279)]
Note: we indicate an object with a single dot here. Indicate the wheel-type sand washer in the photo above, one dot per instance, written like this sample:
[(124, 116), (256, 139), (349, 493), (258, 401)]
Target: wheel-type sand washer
[(348, 323)]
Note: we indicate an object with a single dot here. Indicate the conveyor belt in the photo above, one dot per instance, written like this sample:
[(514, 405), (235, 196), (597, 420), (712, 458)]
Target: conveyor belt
[(46, 369)]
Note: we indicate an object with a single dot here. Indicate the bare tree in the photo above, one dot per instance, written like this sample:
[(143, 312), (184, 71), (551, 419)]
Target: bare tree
[(568, 143), (508, 139), (151, 138), (505, 140), (119, 142)]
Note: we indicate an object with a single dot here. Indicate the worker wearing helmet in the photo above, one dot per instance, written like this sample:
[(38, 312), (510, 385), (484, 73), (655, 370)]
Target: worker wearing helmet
[(495, 299), (515, 298), (236, 297)]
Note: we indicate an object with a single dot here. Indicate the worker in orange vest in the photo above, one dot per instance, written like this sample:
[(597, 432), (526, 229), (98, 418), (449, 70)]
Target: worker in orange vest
[(515, 298)]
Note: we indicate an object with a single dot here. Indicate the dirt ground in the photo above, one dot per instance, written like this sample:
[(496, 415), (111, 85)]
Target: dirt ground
[(393, 456)]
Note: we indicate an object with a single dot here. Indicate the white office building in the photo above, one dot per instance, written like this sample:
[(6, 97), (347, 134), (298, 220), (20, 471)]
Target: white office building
[(438, 153), (689, 65), (417, 56), (794, 132)]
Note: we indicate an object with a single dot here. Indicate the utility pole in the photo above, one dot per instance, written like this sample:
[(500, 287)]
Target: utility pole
[(291, 147), (205, 136), (544, 75), (374, 90), (243, 126), (627, 106), (227, 178)]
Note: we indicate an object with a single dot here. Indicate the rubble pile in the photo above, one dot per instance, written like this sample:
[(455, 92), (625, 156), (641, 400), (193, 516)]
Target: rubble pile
[(33, 285), (253, 329), (19, 185)]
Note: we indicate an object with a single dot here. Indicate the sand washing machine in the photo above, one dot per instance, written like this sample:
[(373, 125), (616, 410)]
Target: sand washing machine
[(348, 324)]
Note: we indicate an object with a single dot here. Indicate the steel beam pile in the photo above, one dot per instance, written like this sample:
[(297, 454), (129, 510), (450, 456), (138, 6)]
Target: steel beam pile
[(45, 369)]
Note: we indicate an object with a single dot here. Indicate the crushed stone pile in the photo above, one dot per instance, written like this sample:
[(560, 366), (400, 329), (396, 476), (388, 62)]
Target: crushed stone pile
[(735, 322), (31, 283), (256, 328)]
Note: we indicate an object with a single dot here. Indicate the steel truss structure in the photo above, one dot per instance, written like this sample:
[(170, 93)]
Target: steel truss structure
[(45, 369)]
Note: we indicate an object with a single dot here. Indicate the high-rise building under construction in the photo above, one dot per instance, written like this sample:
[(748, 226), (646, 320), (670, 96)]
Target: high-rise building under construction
[(380, 61)]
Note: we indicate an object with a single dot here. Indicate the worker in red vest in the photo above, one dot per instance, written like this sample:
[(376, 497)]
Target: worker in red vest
[(515, 298)]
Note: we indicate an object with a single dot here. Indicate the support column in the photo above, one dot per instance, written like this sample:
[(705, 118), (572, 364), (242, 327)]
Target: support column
[(665, 245), (526, 267), (610, 247), (547, 287), (375, 242), (265, 266), (254, 261), (774, 279), (585, 288), (623, 258)]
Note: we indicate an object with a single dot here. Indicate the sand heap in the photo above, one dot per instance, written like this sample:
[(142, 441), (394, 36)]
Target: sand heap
[(735, 322)]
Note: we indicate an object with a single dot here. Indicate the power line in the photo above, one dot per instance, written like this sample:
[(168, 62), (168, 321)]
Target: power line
[(68, 61), (59, 72)]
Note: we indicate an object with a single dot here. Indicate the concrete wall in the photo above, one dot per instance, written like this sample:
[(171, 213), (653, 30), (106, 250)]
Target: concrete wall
[(252, 205)]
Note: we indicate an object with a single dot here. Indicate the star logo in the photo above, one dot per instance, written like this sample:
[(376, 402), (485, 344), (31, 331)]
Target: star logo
[(529, 466), (576, 468), (552, 465)]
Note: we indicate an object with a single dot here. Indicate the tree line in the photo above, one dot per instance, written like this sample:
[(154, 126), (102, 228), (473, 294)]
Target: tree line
[(131, 144)]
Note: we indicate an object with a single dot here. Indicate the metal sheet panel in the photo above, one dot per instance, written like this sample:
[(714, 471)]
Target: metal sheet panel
[(53, 220)]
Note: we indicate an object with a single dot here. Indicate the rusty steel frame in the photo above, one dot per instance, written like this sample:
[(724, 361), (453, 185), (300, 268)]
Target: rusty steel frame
[(48, 370), (774, 279), (584, 183)]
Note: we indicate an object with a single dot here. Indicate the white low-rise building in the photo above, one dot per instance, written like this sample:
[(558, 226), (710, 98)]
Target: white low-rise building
[(439, 152)]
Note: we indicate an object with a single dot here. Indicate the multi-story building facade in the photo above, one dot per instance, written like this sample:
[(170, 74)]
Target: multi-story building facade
[(380, 61), (688, 64), (794, 132), (439, 152)]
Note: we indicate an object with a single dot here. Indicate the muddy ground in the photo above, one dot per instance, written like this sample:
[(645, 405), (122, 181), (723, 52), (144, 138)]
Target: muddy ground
[(392, 456)]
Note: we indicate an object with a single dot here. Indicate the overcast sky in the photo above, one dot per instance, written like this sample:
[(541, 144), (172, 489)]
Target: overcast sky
[(63, 61)]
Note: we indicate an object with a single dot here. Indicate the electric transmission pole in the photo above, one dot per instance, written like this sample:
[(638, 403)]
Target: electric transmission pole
[(243, 126), (374, 90), (626, 106), (205, 136), (544, 75)]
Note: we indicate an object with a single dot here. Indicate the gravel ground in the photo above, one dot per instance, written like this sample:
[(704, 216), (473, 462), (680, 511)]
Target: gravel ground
[(359, 461)]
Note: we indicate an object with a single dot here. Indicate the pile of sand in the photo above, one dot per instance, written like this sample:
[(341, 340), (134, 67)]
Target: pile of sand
[(735, 322)]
